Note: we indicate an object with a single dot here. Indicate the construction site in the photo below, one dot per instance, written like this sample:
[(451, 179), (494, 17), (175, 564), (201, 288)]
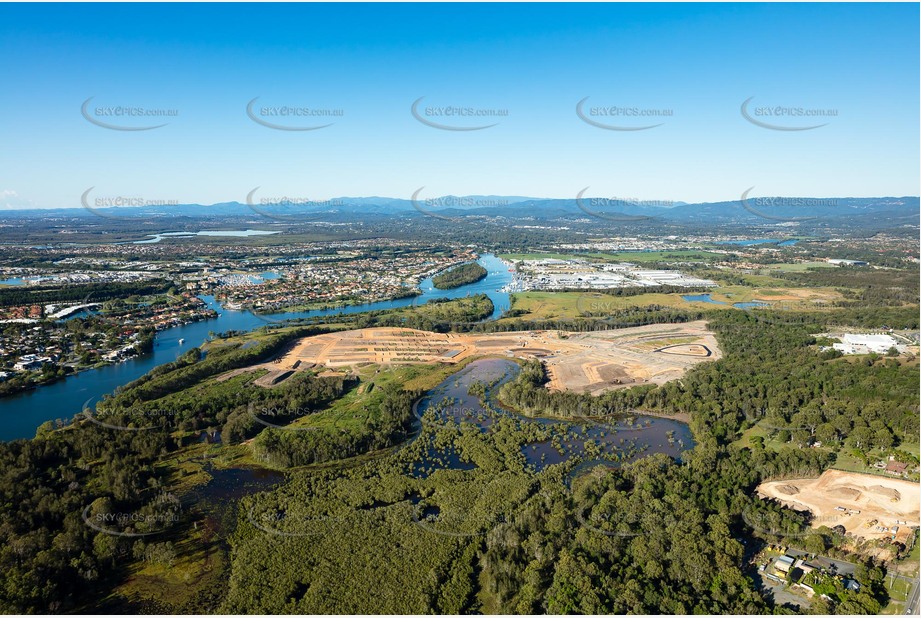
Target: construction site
[(584, 362), (865, 505)]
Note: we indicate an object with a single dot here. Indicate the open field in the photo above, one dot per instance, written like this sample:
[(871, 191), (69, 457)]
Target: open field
[(869, 502), (560, 305), (553, 305), (798, 266), (586, 362)]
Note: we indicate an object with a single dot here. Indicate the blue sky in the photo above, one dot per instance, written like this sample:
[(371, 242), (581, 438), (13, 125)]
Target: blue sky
[(536, 62)]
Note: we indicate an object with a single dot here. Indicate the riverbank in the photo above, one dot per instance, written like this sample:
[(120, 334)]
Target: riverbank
[(25, 411), (458, 276)]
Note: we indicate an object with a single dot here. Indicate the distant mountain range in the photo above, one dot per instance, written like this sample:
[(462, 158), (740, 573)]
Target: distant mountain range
[(746, 210)]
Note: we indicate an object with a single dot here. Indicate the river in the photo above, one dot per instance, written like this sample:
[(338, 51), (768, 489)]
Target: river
[(24, 412)]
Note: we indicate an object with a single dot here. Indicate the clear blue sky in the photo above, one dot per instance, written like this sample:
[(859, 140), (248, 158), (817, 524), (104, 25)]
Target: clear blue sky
[(536, 61)]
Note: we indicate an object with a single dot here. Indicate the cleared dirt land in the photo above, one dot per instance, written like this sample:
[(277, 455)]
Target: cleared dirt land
[(873, 505), (586, 362)]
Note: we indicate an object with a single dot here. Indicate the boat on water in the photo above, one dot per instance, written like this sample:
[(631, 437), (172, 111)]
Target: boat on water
[(181, 341)]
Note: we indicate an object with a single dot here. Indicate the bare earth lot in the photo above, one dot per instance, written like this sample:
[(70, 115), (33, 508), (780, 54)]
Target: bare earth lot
[(586, 362), (885, 500)]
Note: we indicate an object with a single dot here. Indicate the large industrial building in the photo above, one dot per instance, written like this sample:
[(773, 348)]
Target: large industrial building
[(866, 344)]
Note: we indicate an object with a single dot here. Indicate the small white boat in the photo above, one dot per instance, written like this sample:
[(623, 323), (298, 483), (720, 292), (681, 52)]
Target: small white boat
[(181, 341)]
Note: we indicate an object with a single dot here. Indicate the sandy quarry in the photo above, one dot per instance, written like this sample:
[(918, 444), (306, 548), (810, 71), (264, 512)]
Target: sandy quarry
[(888, 501), (585, 362)]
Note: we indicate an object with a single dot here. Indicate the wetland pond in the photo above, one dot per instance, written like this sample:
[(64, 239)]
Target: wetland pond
[(471, 397)]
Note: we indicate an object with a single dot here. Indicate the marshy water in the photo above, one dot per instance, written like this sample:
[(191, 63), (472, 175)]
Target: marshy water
[(471, 397)]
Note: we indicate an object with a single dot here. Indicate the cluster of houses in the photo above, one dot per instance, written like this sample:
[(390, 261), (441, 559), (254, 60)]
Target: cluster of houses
[(31, 362), (28, 348), (39, 346), (22, 313), (363, 278)]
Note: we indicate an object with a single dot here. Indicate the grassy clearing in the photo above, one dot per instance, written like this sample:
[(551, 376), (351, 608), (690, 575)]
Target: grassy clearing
[(775, 293), (893, 608), (770, 443), (898, 588), (199, 566), (798, 266), (551, 305), (562, 305), (910, 447)]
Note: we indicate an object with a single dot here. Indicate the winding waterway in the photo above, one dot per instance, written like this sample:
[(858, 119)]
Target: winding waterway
[(24, 412)]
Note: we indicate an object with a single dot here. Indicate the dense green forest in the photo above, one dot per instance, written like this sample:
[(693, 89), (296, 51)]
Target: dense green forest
[(655, 536), (403, 531), (458, 276), (96, 292)]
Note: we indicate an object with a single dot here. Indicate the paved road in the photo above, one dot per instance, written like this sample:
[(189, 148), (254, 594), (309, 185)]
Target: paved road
[(911, 606)]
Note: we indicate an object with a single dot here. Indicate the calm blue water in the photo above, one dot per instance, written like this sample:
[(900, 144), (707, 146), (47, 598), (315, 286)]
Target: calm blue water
[(705, 298), (701, 298), (760, 241), (84, 313), (13, 281), (24, 412)]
